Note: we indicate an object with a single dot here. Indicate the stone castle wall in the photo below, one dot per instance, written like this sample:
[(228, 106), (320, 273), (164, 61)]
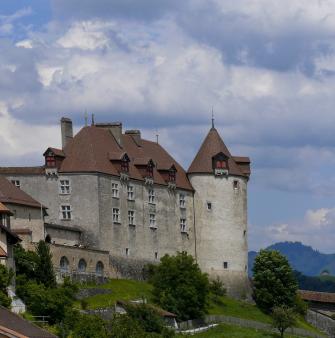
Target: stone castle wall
[(221, 231)]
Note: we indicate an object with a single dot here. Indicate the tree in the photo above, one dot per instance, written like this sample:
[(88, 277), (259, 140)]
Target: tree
[(274, 281), (6, 276), (26, 262), (89, 327), (180, 287), (45, 272), (217, 290), (283, 318)]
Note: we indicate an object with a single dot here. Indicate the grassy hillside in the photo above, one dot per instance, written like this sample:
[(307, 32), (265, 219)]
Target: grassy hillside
[(122, 289), (230, 331)]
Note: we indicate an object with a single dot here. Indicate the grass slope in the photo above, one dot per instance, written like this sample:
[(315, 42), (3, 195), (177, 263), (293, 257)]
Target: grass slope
[(230, 331), (124, 289)]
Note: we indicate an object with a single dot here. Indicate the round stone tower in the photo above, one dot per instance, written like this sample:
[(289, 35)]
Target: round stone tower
[(220, 206)]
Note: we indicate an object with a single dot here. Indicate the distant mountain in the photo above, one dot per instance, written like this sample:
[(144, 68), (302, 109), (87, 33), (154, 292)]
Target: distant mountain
[(302, 258)]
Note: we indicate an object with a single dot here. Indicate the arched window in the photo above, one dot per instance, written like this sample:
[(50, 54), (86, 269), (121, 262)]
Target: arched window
[(64, 264), (99, 268), (48, 239), (82, 265)]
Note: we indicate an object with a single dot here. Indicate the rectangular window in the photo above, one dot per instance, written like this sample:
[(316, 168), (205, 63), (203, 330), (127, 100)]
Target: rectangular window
[(16, 183), (66, 212), (116, 215), (235, 184), (183, 225), (152, 221), (130, 193), (115, 190), (151, 196), (182, 200), (225, 265), (127, 251), (209, 206), (131, 217), (156, 255), (64, 187)]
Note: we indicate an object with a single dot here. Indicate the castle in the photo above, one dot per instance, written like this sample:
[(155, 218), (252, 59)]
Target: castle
[(112, 193)]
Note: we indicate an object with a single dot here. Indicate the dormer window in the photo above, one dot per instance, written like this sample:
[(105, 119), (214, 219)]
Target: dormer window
[(125, 166), (220, 164), (150, 169), (172, 175), (50, 161)]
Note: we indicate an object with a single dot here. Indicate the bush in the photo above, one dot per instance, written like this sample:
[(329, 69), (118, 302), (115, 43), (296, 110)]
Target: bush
[(123, 326), (274, 281), (6, 276), (180, 287), (283, 318), (300, 306), (45, 272), (42, 301), (217, 290), (89, 327), (25, 262)]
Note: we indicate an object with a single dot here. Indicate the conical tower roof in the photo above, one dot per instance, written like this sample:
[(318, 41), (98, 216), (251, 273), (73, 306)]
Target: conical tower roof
[(212, 146)]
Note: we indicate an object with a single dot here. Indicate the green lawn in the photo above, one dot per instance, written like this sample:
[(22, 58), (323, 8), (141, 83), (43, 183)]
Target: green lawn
[(124, 289), (230, 331), (121, 289)]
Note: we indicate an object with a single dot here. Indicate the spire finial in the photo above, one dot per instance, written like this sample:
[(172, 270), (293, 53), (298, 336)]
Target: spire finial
[(86, 117), (157, 135), (92, 123), (213, 118)]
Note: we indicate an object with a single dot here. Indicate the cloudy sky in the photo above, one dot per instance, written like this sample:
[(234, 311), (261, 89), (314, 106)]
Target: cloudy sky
[(267, 68)]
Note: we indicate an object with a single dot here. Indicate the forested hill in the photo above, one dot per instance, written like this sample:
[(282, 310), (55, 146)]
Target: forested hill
[(302, 258)]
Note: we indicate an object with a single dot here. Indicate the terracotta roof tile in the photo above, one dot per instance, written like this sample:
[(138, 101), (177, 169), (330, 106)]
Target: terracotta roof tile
[(4, 209), (211, 146), (322, 297), (3, 253), (22, 170), (9, 193), (92, 149), (14, 322)]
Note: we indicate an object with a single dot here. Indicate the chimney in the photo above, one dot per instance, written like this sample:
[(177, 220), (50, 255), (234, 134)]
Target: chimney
[(67, 131), (136, 136), (115, 128)]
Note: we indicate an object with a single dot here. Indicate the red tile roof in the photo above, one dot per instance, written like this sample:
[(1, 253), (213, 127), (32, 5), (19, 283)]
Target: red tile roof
[(3, 253), (94, 148), (9, 193), (322, 297), (211, 146), (4, 209), (12, 321), (22, 170)]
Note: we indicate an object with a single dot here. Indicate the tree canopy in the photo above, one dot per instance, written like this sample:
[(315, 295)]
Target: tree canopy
[(180, 287), (274, 281)]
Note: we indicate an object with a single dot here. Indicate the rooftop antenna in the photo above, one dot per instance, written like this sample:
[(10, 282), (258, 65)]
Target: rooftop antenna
[(157, 135), (213, 118), (92, 120), (86, 117)]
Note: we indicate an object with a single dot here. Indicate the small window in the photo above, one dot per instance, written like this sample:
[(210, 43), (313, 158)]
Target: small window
[(130, 193), (125, 166), (99, 269), (150, 170), (151, 196), (29, 217), (183, 225), (220, 164), (209, 206), (64, 264), (64, 187), (235, 185), (131, 217), (172, 176), (115, 190), (50, 161), (66, 212), (244, 233), (152, 221), (156, 255), (127, 251), (82, 265), (116, 215), (16, 183), (225, 265), (47, 239), (182, 201)]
